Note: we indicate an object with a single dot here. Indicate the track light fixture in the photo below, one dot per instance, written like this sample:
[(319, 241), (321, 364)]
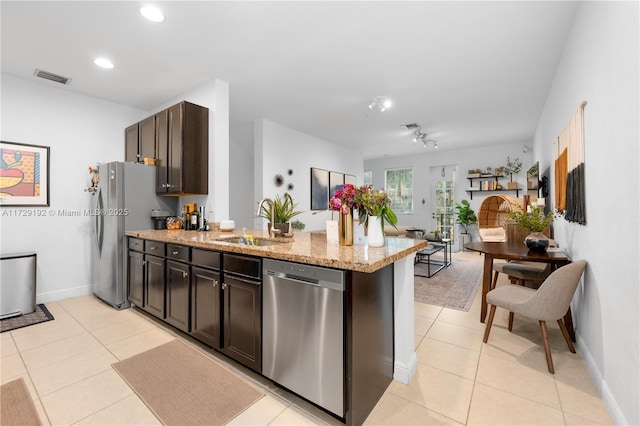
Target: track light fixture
[(380, 103), (419, 135)]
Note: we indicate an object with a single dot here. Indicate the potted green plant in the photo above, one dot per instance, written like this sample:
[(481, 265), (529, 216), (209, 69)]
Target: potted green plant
[(296, 225), (513, 167), (535, 221), (283, 210), (466, 215)]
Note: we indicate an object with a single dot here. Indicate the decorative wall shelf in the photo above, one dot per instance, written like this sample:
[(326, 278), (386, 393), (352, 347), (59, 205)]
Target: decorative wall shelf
[(490, 185)]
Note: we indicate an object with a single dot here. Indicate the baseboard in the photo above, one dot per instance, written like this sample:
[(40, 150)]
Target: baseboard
[(617, 416), (404, 373), (54, 296)]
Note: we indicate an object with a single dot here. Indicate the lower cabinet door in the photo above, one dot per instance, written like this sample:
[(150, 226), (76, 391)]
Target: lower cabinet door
[(178, 295), (135, 279), (206, 317), (243, 321), (154, 286)]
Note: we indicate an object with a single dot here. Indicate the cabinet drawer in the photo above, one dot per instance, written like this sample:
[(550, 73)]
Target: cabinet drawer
[(177, 252), (243, 265), (136, 244), (154, 247), (205, 258)]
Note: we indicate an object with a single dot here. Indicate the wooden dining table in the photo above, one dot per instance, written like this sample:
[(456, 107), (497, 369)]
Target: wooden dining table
[(515, 251)]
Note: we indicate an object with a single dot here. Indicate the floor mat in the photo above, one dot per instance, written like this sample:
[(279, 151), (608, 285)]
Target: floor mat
[(41, 314)]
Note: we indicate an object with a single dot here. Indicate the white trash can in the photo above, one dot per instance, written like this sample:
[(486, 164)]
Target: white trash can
[(17, 284)]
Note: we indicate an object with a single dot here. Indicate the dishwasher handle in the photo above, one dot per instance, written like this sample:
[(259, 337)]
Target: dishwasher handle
[(306, 280)]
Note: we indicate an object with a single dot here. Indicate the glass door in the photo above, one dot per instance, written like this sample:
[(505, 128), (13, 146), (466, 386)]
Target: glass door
[(443, 215)]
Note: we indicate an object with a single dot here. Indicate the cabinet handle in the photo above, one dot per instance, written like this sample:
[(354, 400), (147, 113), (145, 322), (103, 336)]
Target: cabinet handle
[(215, 283), (152, 248), (224, 285), (144, 262), (185, 274), (176, 252)]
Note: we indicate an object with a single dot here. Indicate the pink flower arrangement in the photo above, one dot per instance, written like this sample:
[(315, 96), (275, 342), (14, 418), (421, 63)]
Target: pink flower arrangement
[(367, 200), (345, 199)]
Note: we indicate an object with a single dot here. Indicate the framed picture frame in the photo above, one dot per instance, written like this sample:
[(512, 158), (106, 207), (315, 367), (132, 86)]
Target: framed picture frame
[(24, 174), (349, 179), (319, 189), (336, 181)]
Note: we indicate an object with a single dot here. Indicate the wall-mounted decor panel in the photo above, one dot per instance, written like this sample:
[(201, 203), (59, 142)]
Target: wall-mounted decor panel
[(319, 189)]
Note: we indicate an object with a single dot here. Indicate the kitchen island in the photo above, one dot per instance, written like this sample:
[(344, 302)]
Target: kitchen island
[(378, 313)]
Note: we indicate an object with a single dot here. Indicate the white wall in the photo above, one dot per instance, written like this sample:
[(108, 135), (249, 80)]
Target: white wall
[(428, 165), (279, 149), (242, 206), (600, 65), (81, 131)]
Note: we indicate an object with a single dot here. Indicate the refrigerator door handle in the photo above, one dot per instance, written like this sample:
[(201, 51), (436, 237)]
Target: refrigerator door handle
[(99, 220)]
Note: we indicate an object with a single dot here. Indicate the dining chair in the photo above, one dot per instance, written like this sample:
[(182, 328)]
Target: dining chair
[(550, 302), (523, 271)]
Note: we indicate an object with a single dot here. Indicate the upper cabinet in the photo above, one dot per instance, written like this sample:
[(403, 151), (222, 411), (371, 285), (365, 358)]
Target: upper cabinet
[(182, 149), (178, 139), (139, 141)]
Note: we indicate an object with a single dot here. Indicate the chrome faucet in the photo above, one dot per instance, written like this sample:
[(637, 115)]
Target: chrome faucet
[(273, 231)]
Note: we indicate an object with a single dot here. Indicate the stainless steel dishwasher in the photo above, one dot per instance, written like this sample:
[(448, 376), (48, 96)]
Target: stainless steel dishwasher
[(303, 331)]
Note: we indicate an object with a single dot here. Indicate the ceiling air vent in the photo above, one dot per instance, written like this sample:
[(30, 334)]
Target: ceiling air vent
[(409, 126), (51, 76)]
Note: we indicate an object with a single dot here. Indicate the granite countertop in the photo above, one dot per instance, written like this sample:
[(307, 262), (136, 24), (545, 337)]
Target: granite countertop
[(304, 247)]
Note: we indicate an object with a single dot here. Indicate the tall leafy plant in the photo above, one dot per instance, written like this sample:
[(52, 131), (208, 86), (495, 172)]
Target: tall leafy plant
[(466, 215)]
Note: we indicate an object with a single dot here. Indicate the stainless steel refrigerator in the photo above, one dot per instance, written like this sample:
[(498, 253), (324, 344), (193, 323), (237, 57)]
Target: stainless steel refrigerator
[(123, 202)]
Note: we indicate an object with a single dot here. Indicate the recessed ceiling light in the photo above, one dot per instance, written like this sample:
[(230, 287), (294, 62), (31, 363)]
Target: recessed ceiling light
[(103, 63), (152, 13)]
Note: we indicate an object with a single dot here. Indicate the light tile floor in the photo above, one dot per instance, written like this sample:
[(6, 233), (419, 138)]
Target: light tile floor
[(66, 364)]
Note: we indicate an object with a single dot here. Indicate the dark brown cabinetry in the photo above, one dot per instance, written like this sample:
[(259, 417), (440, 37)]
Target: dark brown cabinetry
[(140, 141), (154, 286), (216, 297), (178, 295), (136, 277), (145, 271), (182, 141), (178, 286), (206, 304), (242, 312)]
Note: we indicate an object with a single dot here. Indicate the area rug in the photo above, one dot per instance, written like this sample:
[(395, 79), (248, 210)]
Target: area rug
[(184, 387), (454, 286), (41, 314), (17, 406)]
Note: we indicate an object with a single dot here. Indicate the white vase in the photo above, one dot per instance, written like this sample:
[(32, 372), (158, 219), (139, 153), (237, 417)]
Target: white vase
[(375, 234)]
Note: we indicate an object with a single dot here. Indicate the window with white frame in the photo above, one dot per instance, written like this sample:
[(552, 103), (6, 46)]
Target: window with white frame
[(399, 186), (367, 178)]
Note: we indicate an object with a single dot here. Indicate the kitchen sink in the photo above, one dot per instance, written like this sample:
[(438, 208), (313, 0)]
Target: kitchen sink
[(256, 241)]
